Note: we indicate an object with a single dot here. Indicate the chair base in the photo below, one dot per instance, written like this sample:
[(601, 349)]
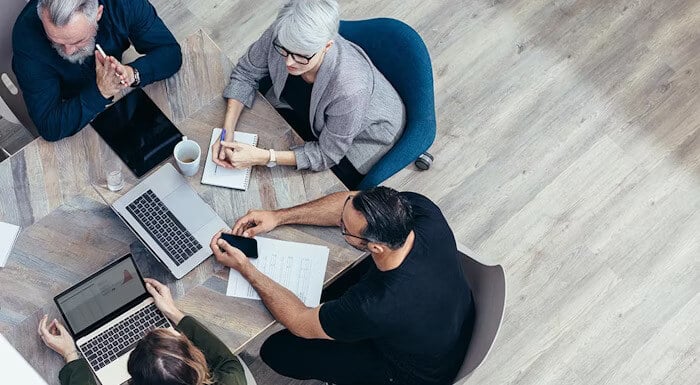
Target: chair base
[(424, 161)]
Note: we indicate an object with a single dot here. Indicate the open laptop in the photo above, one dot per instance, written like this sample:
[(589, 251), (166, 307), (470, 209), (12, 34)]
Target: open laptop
[(171, 219), (108, 313)]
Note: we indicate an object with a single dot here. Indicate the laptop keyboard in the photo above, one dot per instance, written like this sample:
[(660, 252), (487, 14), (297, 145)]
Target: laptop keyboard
[(122, 337), (162, 225)]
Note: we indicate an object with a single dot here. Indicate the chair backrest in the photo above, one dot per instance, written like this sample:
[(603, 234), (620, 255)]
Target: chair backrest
[(12, 95), (488, 285), (399, 53)]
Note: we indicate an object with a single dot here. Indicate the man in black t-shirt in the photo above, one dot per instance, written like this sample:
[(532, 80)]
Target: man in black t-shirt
[(407, 321)]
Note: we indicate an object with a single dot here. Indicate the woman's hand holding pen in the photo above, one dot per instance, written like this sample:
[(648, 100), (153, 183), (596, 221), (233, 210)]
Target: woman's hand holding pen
[(241, 155), (219, 153)]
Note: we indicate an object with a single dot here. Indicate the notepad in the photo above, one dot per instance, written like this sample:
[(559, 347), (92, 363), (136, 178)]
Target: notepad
[(300, 267), (226, 177), (8, 235)]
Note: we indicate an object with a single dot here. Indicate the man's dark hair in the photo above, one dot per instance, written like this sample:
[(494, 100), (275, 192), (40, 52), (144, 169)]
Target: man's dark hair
[(389, 216)]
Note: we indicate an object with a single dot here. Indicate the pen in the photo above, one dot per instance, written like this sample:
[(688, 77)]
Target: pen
[(102, 52), (104, 55), (221, 139)]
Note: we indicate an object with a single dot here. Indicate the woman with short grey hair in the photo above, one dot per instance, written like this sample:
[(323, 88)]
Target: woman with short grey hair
[(326, 87)]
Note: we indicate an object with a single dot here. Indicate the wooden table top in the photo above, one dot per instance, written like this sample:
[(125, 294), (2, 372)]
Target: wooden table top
[(57, 193)]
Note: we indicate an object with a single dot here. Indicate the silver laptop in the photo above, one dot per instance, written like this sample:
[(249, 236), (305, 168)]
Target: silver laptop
[(171, 219), (108, 314)]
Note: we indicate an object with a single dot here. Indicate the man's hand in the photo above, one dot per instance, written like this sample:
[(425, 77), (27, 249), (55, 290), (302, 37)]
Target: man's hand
[(108, 81), (228, 255), (164, 300), (255, 222), (58, 339), (124, 72), (245, 155)]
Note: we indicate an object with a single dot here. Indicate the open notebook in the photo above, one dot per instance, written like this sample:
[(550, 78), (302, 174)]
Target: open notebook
[(226, 177)]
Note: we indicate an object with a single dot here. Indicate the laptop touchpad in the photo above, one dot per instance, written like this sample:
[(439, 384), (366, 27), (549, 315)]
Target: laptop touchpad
[(188, 208)]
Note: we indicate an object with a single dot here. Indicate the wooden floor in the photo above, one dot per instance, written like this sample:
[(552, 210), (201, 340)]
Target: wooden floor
[(568, 151)]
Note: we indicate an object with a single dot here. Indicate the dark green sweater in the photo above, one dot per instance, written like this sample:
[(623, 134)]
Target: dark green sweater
[(224, 366)]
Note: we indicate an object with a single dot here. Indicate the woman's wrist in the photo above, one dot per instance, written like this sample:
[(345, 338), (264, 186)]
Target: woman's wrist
[(263, 157), (71, 356), (175, 316)]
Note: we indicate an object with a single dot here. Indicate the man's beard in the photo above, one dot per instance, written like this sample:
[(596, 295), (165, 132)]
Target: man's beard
[(78, 56)]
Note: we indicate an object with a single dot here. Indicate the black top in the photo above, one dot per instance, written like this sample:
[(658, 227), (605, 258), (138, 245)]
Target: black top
[(416, 313), (297, 93)]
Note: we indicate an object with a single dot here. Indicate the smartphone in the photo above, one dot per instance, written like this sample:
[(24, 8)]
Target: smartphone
[(248, 246)]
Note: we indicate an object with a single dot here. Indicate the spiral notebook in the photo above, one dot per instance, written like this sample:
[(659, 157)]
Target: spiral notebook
[(226, 177)]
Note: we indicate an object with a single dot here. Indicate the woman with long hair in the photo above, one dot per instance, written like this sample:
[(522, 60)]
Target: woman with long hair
[(189, 354)]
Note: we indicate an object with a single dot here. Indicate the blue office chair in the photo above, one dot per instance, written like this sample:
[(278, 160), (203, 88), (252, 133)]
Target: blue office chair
[(400, 54)]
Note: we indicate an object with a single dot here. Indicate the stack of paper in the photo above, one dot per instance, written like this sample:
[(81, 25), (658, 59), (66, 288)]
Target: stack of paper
[(300, 267), (8, 235)]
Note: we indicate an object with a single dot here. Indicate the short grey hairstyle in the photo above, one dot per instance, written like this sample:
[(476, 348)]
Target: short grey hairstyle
[(305, 26), (62, 11)]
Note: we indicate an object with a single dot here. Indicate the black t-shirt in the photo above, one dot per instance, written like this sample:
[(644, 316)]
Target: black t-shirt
[(417, 314)]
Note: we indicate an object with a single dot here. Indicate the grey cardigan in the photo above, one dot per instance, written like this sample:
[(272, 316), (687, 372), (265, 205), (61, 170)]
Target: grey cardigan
[(355, 112)]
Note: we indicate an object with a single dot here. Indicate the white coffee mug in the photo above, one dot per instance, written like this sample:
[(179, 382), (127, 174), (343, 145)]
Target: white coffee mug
[(187, 155)]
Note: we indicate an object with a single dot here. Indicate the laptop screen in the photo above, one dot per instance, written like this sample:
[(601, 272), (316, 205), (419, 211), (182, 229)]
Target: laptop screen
[(138, 131), (102, 295)]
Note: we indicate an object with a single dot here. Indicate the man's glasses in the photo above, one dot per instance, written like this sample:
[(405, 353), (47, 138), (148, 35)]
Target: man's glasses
[(301, 59), (343, 230)]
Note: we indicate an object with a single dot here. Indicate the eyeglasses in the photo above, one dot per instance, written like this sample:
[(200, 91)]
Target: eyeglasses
[(343, 230), (301, 59)]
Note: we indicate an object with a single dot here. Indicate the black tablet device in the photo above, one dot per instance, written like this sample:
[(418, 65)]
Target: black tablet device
[(138, 131)]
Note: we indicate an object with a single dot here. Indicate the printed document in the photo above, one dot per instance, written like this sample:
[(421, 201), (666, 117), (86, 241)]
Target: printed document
[(300, 267)]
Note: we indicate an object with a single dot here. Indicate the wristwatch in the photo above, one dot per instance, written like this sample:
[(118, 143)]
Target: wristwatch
[(273, 159), (137, 78)]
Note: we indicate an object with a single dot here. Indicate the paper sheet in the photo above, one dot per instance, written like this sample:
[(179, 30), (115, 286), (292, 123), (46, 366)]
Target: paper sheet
[(300, 267), (8, 235), (15, 369), (226, 177)]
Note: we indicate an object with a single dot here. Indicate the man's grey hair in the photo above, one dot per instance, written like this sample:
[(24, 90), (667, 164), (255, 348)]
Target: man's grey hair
[(60, 12), (305, 26)]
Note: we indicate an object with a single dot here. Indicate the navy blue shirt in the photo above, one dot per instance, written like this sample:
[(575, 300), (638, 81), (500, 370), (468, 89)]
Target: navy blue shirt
[(62, 97), (418, 315)]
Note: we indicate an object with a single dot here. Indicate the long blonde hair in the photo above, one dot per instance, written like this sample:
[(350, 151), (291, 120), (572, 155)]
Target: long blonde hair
[(164, 358)]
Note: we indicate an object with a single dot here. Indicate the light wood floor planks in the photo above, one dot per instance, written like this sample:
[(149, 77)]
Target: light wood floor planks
[(568, 151)]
